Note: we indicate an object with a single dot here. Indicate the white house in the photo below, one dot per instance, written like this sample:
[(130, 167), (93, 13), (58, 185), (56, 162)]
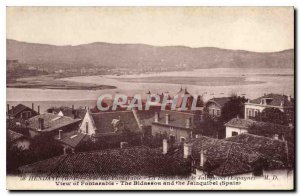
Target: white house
[(282, 102)]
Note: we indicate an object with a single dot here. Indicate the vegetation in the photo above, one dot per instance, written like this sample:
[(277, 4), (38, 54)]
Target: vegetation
[(41, 147), (214, 126), (272, 115)]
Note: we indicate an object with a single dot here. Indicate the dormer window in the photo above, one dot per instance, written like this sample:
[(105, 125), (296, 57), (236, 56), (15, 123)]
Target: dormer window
[(266, 101)]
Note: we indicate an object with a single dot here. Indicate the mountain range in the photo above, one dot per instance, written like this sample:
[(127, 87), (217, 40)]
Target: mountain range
[(131, 55)]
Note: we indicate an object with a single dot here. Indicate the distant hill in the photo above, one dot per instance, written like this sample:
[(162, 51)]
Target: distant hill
[(132, 55)]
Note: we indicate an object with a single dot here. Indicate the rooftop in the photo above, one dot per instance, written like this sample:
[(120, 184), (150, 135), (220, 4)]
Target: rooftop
[(277, 153), (225, 157), (51, 121), (103, 121), (113, 162), (13, 136), (72, 139), (275, 100), (248, 123), (221, 101), (17, 109), (177, 118)]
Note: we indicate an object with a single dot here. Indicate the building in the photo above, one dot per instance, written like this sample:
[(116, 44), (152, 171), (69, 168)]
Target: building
[(185, 100), (51, 124), (102, 124), (242, 155), (175, 125), (22, 112), (284, 103), (238, 126), (140, 161), (214, 106), (72, 140), (68, 111)]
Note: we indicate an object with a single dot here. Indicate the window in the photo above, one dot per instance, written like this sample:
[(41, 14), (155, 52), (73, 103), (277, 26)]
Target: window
[(86, 127), (218, 112), (234, 133), (182, 139), (172, 139)]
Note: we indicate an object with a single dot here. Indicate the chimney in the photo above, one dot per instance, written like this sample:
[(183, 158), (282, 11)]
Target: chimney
[(41, 123), (167, 119), (72, 107), (188, 123), (156, 117), (237, 116), (32, 106), (165, 146), (38, 109), (59, 134), (123, 144), (202, 158), (187, 150), (281, 103), (289, 98)]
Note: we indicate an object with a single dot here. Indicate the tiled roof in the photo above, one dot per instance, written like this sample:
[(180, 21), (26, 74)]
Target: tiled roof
[(240, 123), (273, 151), (127, 161), (248, 123), (146, 116), (177, 118), (226, 158), (219, 100), (51, 121), (17, 109), (103, 121), (70, 112), (72, 139), (276, 100), (13, 136)]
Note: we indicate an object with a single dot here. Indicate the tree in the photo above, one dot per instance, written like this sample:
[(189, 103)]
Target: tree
[(43, 147), (272, 115), (233, 108), (212, 127)]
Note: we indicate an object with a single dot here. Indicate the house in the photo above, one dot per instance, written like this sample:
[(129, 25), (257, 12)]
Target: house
[(238, 126), (68, 111), (181, 104), (140, 161), (175, 125), (22, 112), (71, 141), (242, 155), (102, 124), (284, 103), (214, 106), (18, 140), (51, 124)]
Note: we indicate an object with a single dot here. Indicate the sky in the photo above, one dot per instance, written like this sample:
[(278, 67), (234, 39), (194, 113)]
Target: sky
[(261, 29)]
